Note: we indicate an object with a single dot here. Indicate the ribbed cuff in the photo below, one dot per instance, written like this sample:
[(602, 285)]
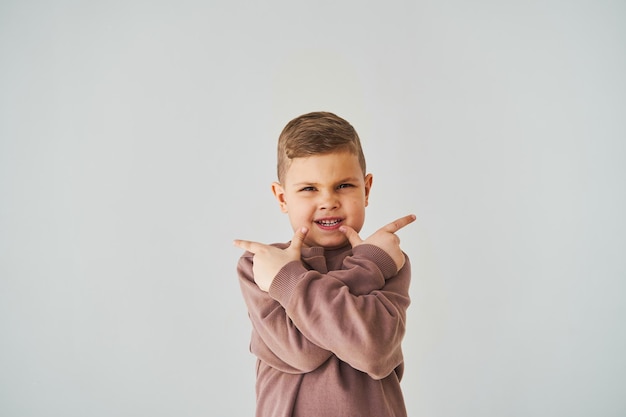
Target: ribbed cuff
[(285, 281), (379, 256)]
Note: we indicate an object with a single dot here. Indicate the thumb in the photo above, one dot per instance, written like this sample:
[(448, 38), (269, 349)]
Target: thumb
[(298, 239), (352, 235)]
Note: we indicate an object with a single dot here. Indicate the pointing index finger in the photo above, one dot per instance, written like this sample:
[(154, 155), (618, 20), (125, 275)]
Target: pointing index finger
[(398, 224), (248, 245)]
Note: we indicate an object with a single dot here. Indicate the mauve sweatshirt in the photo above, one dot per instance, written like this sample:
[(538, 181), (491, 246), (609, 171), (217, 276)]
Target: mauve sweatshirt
[(328, 334)]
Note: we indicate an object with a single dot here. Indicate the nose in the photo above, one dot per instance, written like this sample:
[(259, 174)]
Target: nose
[(328, 200)]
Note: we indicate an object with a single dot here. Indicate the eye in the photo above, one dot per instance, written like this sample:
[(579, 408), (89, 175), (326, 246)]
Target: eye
[(307, 189), (345, 186)]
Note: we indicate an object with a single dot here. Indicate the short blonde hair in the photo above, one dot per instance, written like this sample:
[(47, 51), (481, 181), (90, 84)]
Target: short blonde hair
[(316, 133)]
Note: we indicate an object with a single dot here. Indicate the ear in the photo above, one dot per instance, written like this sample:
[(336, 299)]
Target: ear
[(368, 187), (279, 193)]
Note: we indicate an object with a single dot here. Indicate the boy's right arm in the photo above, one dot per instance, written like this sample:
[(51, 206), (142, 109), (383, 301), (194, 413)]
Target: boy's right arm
[(275, 339), (280, 343), (366, 331)]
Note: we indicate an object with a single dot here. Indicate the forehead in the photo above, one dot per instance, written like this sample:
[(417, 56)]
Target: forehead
[(324, 167)]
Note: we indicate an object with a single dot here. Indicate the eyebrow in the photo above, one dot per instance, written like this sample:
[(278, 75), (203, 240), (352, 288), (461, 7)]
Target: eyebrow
[(305, 183)]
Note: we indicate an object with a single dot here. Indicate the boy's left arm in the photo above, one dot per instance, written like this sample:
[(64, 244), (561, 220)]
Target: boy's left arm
[(365, 331)]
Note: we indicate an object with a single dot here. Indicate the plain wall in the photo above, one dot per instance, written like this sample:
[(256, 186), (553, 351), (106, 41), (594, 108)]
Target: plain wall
[(137, 140)]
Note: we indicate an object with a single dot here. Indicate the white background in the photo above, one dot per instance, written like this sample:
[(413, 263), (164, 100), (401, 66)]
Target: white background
[(137, 140)]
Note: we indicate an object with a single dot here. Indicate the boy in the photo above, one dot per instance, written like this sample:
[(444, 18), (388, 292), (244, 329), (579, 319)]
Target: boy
[(328, 309)]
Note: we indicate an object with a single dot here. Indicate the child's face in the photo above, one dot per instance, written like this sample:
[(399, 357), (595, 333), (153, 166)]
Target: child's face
[(324, 192)]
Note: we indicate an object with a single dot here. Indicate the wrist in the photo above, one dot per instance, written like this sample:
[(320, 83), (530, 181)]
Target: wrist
[(379, 256), (285, 281)]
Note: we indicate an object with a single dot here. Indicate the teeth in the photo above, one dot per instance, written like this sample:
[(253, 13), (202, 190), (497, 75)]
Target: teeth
[(328, 222)]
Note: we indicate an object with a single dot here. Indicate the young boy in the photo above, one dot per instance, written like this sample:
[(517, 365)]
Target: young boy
[(328, 309)]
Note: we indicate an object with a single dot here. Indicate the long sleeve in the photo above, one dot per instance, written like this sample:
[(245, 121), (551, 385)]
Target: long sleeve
[(275, 338), (363, 330)]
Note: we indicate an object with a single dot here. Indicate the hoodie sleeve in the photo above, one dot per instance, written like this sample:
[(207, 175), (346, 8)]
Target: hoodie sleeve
[(363, 330), (275, 338)]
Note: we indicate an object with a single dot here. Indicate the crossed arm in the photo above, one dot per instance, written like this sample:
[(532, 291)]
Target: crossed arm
[(308, 316), (268, 260)]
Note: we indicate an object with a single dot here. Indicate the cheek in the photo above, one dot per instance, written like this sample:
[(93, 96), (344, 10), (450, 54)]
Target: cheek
[(300, 209), (357, 208)]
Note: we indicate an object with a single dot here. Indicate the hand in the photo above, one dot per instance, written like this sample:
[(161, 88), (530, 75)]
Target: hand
[(268, 260), (385, 238)]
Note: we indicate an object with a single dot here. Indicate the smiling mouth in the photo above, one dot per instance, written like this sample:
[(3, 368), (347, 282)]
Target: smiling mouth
[(329, 223)]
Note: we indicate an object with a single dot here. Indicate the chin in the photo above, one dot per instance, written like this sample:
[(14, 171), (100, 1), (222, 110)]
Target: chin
[(331, 243)]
